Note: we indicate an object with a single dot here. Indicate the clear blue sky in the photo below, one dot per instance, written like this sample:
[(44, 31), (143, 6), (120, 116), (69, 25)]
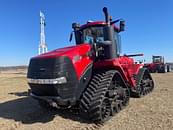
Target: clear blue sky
[(149, 25)]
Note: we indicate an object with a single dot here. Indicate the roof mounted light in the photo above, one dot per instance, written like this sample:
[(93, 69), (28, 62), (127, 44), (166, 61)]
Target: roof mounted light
[(90, 21)]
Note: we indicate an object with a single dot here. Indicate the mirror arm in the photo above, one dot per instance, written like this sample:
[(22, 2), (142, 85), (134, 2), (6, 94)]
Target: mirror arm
[(71, 36), (116, 21)]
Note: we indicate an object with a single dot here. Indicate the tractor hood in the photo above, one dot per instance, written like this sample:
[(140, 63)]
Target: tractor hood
[(74, 59), (70, 52)]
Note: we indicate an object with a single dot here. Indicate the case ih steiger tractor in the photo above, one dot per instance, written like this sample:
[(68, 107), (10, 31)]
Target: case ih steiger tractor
[(91, 75), (158, 65)]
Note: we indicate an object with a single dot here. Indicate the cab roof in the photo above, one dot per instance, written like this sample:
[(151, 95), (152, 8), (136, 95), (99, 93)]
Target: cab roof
[(97, 23)]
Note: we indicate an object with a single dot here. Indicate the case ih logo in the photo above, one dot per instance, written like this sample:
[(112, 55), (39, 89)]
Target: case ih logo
[(42, 69)]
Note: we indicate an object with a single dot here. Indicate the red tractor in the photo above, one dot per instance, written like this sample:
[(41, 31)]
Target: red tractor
[(91, 75), (158, 65)]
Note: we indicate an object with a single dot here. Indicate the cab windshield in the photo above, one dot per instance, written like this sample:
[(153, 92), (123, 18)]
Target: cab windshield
[(95, 34), (92, 35), (157, 59)]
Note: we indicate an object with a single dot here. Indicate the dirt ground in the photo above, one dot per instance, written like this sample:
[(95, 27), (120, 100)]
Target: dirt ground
[(18, 111)]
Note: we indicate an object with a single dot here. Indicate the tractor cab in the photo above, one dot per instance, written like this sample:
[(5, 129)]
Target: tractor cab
[(158, 59), (103, 36)]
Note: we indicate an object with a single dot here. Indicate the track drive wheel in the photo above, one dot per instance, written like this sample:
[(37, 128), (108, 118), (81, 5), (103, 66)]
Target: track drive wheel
[(104, 96)]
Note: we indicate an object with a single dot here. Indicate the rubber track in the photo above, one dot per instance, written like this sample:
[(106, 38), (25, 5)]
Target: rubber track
[(94, 94), (145, 90)]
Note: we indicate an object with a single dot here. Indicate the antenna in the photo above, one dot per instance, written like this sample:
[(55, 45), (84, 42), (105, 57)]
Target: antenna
[(42, 45)]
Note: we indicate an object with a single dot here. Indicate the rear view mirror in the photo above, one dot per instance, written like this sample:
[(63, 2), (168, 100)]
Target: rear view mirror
[(122, 25)]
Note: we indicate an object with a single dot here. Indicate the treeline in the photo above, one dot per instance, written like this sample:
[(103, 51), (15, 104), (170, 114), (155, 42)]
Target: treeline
[(6, 68)]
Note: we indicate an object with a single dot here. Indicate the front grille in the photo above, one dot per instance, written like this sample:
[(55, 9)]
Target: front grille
[(41, 68), (49, 68)]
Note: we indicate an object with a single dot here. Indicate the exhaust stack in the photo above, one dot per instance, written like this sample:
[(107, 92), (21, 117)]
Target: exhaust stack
[(105, 11)]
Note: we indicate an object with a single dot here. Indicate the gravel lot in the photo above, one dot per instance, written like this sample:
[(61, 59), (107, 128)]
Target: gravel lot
[(20, 112)]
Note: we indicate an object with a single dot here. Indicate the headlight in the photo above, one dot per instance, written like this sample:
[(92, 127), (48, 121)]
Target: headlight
[(60, 80), (141, 66)]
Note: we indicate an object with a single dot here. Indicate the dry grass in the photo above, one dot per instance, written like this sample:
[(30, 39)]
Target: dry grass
[(19, 111)]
